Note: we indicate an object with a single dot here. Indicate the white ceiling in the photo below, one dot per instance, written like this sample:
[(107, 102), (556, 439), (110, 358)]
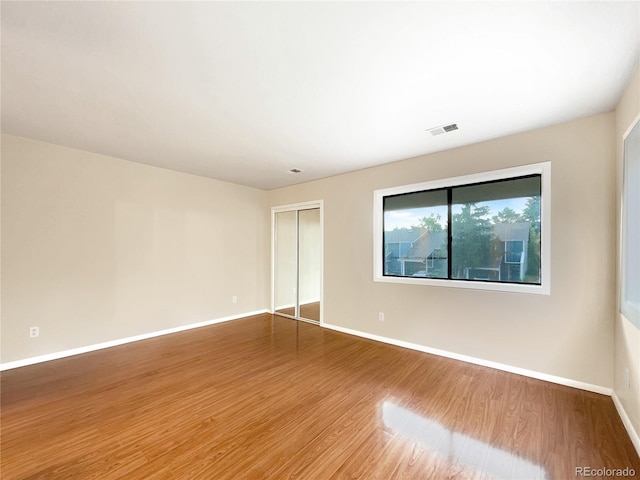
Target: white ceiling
[(244, 91)]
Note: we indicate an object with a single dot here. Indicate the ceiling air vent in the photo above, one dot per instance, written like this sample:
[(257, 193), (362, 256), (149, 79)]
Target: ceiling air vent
[(443, 129)]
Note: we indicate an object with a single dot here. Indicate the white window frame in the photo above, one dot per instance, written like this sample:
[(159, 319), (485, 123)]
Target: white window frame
[(627, 309), (543, 169)]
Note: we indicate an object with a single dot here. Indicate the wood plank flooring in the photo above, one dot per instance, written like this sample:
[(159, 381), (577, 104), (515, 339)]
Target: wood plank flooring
[(310, 311), (270, 398)]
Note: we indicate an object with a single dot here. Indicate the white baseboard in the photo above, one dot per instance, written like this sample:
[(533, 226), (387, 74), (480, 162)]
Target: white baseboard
[(478, 361), (121, 341), (635, 436)]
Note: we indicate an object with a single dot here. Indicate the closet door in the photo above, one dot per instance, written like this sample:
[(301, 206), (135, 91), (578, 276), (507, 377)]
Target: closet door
[(297, 261), (309, 264), (286, 263)]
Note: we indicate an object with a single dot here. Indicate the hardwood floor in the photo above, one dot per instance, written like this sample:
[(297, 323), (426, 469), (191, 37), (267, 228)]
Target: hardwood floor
[(310, 311), (271, 398)]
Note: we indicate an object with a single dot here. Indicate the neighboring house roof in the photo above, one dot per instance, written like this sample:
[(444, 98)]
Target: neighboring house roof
[(426, 244), (401, 235), (512, 231), (428, 241)]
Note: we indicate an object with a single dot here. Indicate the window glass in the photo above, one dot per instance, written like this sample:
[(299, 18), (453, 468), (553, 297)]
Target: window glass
[(415, 234), (630, 301), (496, 231)]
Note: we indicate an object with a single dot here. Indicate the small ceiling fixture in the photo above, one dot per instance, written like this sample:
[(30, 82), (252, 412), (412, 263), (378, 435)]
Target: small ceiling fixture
[(442, 129), (295, 170)]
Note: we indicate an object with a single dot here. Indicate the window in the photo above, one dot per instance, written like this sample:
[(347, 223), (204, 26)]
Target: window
[(488, 231), (424, 240), (630, 288), (514, 251)]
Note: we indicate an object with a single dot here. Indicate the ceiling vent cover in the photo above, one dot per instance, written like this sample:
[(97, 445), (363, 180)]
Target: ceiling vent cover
[(443, 129)]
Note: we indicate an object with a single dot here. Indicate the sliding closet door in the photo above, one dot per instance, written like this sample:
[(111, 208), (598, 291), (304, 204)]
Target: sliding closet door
[(286, 263), (309, 264), (297, 262)]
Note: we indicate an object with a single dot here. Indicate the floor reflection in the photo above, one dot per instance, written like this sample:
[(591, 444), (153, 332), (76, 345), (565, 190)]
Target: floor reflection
[(457, 447)]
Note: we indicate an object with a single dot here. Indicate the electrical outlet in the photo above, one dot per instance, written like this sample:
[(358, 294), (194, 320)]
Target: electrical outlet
[(381, 316), (34, 332), (234, 299)]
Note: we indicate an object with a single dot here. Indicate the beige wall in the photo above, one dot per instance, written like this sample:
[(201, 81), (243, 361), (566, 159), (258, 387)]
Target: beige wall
[(568, 333), (627, 336), (96, 248)]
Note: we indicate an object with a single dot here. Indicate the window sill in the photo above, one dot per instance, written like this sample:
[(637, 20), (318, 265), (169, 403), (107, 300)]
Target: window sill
[(468, 284)]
